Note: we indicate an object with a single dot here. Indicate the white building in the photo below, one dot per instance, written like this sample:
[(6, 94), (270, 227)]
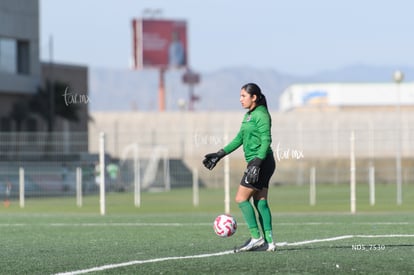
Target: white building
[(346, 95)]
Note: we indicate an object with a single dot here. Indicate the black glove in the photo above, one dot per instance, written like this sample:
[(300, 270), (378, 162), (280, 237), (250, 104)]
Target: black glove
[(253, 170), (211, 159)]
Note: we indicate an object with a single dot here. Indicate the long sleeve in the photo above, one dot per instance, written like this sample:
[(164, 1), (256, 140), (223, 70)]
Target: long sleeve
[(254, 135)]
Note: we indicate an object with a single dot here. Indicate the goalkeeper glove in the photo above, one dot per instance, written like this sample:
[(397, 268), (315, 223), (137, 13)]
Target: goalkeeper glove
[(211, 159), (252, 171)]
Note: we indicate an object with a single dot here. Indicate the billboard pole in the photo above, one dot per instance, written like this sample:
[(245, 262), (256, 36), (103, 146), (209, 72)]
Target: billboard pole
[(161, 90)]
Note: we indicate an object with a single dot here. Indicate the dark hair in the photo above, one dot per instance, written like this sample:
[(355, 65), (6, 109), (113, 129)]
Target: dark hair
[(254, 89)]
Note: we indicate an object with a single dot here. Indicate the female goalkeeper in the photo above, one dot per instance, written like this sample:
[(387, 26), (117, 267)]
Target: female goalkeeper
[(255, 136)]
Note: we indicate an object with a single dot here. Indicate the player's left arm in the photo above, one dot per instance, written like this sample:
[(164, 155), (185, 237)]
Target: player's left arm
[(263, 127)]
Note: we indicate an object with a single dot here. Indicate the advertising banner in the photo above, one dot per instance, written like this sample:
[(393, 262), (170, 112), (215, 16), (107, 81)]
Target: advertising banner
[(159, 43)]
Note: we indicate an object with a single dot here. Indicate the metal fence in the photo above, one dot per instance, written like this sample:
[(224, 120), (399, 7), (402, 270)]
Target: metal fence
[(300, 141), (45, 162), (169, 147)]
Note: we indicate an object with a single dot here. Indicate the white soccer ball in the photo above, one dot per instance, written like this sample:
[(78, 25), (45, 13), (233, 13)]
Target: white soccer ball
[(225, 225)]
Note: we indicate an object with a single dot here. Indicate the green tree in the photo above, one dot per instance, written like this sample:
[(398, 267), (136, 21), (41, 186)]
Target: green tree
[(49, 102), (19, 113)]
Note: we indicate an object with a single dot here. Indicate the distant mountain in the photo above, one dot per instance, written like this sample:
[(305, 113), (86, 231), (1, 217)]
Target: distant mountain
[(124, 90)]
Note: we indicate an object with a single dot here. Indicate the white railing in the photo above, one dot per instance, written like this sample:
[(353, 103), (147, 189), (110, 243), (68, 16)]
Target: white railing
[(165, 154)]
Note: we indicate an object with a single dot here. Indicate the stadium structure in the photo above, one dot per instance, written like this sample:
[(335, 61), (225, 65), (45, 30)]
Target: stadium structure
[(43, 124), (23, 74), (347, 96), (312, 129)]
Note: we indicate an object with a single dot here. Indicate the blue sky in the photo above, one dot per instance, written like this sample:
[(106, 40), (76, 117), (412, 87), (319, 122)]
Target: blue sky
[(299, 37)]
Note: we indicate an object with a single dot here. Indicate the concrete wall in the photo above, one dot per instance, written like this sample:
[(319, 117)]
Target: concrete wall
[(317, 134), (300, 140)]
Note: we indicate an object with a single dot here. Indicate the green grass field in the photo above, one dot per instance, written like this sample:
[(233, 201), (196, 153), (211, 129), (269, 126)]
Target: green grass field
[(167, 235)]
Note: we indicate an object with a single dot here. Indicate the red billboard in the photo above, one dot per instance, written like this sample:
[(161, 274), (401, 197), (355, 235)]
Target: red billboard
[(159, 43)]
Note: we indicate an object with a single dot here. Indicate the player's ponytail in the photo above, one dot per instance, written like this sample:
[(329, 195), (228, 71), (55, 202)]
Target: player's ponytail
[(254, 89)]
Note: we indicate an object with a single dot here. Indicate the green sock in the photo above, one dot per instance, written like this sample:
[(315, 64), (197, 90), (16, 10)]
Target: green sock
[(266, 216), (250, 218), (269, 236), (259, 214)]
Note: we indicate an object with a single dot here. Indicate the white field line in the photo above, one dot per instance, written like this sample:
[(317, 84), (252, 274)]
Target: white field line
[(315, 241), (345, 237), (111, 266)]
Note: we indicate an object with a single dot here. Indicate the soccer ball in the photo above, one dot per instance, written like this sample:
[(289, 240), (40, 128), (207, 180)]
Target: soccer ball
[(225, 225)]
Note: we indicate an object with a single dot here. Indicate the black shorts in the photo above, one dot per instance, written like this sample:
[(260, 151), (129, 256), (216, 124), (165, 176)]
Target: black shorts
[(267, 168)]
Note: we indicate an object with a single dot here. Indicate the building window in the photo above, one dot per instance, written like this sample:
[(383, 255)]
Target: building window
[(8, 55), (23, 57), (14, 56)]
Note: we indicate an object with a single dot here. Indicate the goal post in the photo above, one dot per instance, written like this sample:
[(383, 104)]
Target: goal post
[(102, 173), (312, 186), (352, 176)]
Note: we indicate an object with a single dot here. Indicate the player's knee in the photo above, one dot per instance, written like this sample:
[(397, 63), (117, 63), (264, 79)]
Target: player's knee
[(239, 199)]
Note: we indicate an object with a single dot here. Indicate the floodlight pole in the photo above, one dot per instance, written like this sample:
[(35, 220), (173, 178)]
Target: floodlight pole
[(398, 78)]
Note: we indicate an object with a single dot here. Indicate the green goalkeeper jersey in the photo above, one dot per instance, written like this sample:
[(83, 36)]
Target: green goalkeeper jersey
[(254, 135)]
